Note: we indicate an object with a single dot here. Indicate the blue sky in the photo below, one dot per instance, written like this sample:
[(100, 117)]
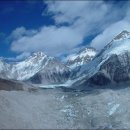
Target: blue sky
[(58, 27), (15, 14)]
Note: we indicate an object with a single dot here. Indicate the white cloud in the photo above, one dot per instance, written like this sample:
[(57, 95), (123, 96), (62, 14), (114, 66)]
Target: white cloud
[(83, 18), (51, 39), (23, 56), (20, 57), (65, 11), (113, 29), (109, 33), (20, 32)]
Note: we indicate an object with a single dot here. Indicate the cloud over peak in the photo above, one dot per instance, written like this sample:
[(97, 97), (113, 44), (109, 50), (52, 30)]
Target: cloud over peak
[(74, 21), (52, 40)]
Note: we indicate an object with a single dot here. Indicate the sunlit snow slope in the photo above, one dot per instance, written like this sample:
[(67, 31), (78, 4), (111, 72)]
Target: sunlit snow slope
[(111, 65)]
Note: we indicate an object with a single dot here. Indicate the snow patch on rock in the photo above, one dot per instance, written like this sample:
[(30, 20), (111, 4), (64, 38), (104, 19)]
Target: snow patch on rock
[(113, 109)]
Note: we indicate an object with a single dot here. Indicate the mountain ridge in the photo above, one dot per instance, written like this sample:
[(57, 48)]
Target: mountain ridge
[(27, 68), (82, 68), (111, 65), (83, 56)]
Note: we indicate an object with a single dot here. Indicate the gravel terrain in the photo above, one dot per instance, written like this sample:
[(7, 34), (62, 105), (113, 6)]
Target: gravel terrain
[(59, 109)]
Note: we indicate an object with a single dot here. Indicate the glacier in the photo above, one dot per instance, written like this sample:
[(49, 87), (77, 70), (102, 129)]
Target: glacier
[(57, 109), (41, 92)]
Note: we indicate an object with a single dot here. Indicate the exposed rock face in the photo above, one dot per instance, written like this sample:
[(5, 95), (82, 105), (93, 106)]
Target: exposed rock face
[(4, 69), (99, 79), (9, 85), (123, 35), (118, 67), (38, 68), (115, 69), (82, 57), (111, 65), (54, 72)]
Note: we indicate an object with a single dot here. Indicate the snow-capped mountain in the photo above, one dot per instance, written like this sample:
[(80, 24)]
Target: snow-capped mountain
[(123, 35), (83, 56), (34, 65), (111, 65), (4, 69), (53, 72)]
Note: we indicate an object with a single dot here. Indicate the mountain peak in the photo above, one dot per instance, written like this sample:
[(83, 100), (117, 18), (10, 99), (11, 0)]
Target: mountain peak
[(36, 55), (125, 31), (83, 56), (39, 54), (123, 35)]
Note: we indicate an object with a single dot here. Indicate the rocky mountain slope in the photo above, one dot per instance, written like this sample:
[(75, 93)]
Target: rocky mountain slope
[(53, 71), (4, 69), (111, 65), (83, 56), (9, 85), (13, 85), (65, 108)]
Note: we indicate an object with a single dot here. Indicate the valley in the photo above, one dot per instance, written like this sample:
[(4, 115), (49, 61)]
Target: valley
[(65, 64), (65, 109), (41, 92)]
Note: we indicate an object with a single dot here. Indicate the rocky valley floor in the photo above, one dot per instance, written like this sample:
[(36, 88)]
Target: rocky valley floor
[(59, 109)]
